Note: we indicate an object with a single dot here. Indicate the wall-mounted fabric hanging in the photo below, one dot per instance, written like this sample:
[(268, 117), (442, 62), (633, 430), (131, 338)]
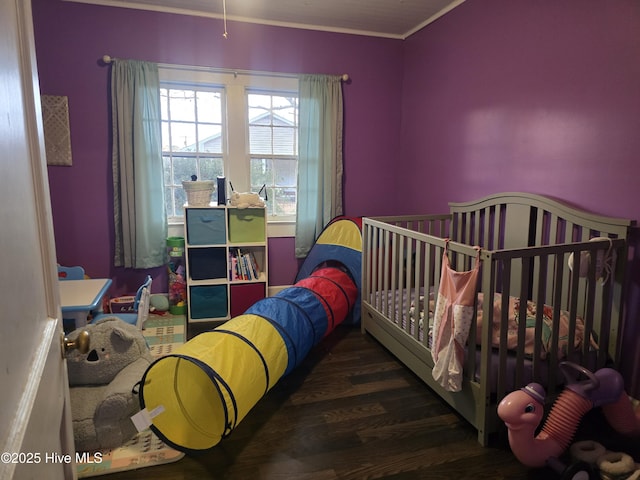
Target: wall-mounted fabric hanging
[(57, 135)]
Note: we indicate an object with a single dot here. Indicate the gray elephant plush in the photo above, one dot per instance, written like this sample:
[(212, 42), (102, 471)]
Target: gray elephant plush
[(103, 383)]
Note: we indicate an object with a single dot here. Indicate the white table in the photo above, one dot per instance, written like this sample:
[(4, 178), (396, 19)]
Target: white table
[(79, 297)]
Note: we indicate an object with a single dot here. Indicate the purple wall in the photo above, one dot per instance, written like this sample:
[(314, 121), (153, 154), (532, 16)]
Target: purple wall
[(497, 95), (71, 38), (543, 97)]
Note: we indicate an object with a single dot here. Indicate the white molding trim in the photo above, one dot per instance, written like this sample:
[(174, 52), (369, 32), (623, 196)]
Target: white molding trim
[(274, 23), (433, 18), (273, 289)]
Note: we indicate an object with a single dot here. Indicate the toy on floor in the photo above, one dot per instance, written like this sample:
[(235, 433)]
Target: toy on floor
[(196, 395), (102, 383), (523, 409), (611, 465)]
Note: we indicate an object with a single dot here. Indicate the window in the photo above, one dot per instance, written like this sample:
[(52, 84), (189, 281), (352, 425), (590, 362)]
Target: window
[(241, 126), (273, 149), (191, 140)]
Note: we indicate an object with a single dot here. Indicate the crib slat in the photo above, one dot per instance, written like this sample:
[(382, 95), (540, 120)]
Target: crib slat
[(392, 306), (590, 303), (523, 316), (406, 292), (504, 326), (501, 213), (486, 229), (574, 284), (570, 231), (552, 357), (543, 262), (415, 330), (383, 269)]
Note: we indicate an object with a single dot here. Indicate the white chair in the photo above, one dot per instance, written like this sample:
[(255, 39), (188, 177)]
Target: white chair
[(140, 307)]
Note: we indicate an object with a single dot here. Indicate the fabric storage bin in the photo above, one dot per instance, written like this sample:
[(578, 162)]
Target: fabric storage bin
[(246, 225), (207, 263), (122, 304), (206, 226), (208, 301), (243, 296)]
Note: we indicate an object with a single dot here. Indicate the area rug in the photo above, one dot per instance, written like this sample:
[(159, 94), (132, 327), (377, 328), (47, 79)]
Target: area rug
[(164, 333)]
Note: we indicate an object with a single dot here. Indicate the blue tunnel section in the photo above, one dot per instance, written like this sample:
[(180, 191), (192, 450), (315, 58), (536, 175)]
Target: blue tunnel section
[(198, 394)]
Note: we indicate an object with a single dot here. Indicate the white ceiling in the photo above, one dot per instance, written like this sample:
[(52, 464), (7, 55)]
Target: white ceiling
[(381, 18)]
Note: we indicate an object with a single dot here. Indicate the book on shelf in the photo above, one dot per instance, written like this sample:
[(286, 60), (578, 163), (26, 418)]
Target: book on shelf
[(254, 265), (233, 267), (243, 265)]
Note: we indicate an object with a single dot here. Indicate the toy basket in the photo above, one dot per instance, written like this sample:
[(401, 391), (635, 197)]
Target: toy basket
[(198, 192)]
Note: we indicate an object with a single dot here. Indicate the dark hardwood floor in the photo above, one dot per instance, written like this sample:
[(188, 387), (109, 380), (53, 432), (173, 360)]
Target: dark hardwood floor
[(350, 411)]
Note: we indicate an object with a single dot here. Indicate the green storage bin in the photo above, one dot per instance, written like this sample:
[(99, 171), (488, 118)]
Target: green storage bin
[(247, 225)]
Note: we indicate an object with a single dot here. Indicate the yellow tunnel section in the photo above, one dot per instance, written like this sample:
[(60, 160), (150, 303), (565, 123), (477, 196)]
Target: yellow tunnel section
[(195, 405)]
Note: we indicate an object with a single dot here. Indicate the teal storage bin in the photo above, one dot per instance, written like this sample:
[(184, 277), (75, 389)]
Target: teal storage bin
[(206, 226), (208, 301)]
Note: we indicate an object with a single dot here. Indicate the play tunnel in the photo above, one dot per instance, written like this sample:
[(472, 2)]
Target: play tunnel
[(199, 393)]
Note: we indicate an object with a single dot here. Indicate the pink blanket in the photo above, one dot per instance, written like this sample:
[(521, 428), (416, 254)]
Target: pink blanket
[(547, 327)]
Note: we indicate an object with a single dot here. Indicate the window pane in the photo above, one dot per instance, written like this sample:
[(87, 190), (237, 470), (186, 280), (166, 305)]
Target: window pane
[(168, 202), (285, 172), (259, 109), (181, 199), (164, 105), (260, 140), (284, 201), (183, 137), (183, 168), (280, 177), (210, 168), (284, 108), (209, 107), (174, 199), (166, 165), (284, 141), (261, 173), (209, 138), (166, 139), (182, 105)]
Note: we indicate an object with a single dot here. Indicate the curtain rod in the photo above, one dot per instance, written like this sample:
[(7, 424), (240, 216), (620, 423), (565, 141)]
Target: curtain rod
[(107, 59)]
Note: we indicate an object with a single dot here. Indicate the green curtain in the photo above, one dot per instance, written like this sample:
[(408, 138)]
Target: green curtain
[(319, 195), (138, 183)]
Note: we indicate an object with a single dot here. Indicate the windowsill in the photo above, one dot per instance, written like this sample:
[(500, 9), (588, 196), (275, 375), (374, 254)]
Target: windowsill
[(274, 229), (281, 229)]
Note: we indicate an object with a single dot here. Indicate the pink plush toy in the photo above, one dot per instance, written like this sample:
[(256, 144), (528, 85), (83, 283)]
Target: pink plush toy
[(523, 409)]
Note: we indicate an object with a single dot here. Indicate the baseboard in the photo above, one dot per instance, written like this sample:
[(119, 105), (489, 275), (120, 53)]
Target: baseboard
[(272, 290)]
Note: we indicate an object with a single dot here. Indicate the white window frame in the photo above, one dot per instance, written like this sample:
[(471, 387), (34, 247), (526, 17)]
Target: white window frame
[(236, 138)]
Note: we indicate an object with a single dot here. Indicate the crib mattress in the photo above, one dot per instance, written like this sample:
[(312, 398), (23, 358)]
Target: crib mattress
[(403, 301)]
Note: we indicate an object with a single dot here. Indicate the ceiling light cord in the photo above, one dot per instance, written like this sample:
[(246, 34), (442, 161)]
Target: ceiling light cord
[(224, 17)]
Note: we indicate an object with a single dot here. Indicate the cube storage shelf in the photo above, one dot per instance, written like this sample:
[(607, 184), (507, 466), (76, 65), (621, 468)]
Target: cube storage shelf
[(226, 257)]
